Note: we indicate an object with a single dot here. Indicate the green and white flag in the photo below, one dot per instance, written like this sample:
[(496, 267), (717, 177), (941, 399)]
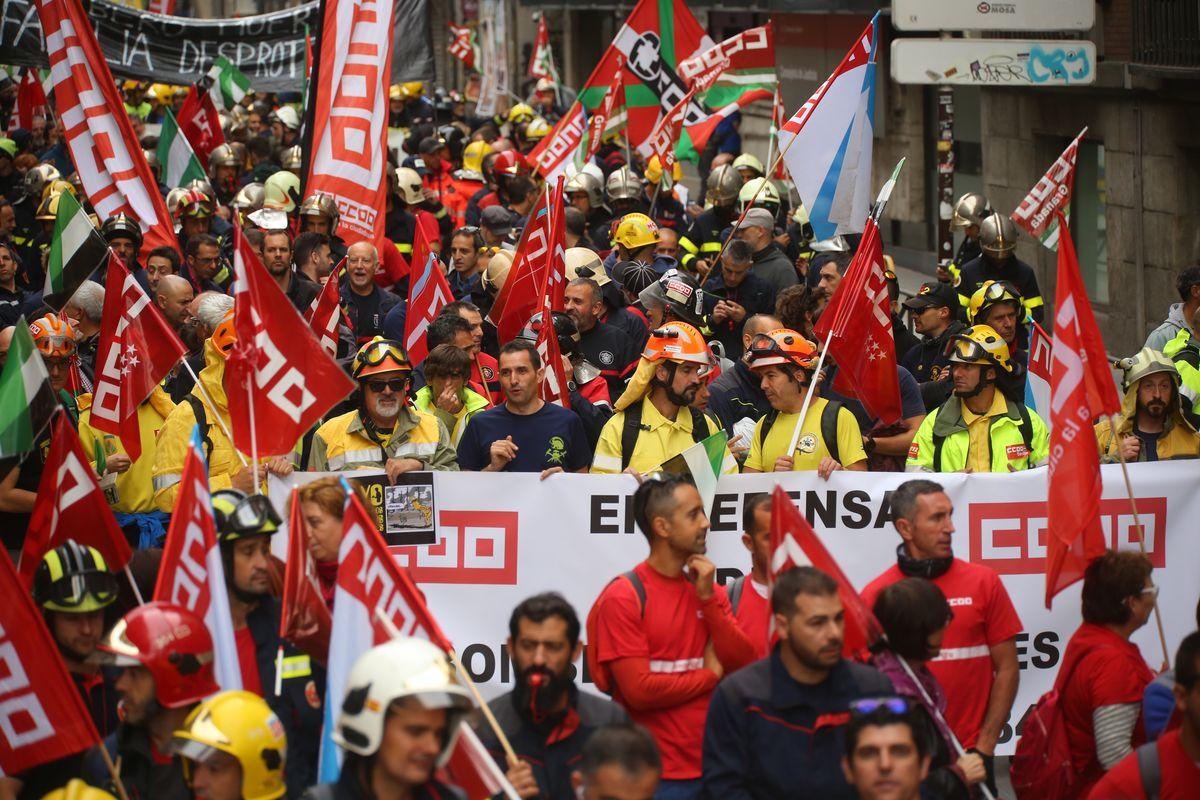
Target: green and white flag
[(26, 400), (76, 251), (704, 461), (179, 162), (229, 84)]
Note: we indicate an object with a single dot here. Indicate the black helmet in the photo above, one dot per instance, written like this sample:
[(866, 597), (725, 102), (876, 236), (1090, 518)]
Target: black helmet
[(122, 226), (679, 293), (564, 327), (74, 578), (237, 516)]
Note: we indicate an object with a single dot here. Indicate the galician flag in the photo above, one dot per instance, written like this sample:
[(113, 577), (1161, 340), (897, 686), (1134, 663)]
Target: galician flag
[(827, 143), (705, 461), (76, 251), (27, 402), (179, 163), (229, 84)]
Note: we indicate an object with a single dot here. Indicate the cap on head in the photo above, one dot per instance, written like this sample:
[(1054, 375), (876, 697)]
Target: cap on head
[(933, 294)]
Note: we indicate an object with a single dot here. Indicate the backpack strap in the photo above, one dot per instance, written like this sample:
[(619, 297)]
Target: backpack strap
[(639, 589), (1025, 426), (735, 592), (629, 434), (829, 426), (1150, 769), (699, 425), (202, 420), (767, 423)]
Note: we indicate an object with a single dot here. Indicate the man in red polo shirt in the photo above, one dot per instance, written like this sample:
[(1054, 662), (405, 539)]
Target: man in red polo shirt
[(1175, 757), (748, 595), (663, 633), (977, 667)]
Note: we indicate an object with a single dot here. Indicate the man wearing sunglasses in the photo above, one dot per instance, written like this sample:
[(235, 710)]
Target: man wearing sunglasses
[(384, 432), (933, 310)]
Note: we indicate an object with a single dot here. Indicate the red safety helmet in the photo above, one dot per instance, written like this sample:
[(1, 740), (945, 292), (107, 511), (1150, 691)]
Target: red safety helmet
[(173, 644), (509, 164)]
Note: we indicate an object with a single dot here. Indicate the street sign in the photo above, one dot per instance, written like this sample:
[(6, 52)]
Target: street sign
[(1016, 15), (993, 62)]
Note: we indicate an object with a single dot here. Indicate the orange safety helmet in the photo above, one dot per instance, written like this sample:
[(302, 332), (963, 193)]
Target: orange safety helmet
[(677, 341), (380, 355), (54, 336), (225, 335), (780, 347)]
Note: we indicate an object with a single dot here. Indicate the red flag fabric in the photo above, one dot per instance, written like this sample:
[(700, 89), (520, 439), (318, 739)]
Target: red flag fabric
[(473, 770), (666, 133), (702, 130), (551, 156), (138, 348), (192, 572), (293, 380), (462, 44), (45, 718), (200, 123), (540, 58), (778, 119), (795, 544), (106, 153), (305, 620), (1050, 197), (554, 388), (325, 313), (1081, 389), (348, 159), (521, 295), (428, 292), (31, 100), (752, 50), (70, 505), (604, 112), (859, 318)]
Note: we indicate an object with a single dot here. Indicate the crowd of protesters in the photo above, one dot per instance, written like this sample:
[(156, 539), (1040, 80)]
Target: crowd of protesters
[(680, 320)]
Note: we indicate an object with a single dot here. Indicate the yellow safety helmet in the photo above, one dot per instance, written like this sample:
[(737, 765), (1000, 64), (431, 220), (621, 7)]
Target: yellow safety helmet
[(979, 344), (521, 112), (474, 153), (242, 725), (988, 295), (654, 171), (537, 129), (57, 187), (636, 231), (496, 273), (237, 515), (162, 93), (411, 89), (76, 789), (74, 579), (380, 355), (747, 161)]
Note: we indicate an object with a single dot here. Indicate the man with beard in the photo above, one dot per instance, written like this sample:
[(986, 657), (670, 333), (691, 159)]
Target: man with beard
[(244, 526), (277, 258), (165, 656), (998, 241), (384, 432), (776, 729), (546, 718), (982, 427), (661, 635), (1151, 425), (934, 310)]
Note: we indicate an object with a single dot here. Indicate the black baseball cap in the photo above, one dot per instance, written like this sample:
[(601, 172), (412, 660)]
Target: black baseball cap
[(934, 294)]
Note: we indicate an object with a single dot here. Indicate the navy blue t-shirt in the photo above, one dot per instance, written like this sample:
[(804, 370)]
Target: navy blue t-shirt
[(553, 437)]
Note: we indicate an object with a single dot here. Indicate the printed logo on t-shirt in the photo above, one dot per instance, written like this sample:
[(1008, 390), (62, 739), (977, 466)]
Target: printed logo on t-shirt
[(959, 601), (557, 450), (606, 358), (1016, 451), (807, 443)]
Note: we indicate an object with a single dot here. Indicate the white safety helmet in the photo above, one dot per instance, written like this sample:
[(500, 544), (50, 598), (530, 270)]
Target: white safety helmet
[(396, 670), (409, 185)]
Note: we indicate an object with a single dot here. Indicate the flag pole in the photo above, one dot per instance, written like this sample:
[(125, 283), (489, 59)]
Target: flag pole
[(395, 633), (253, 436), (208, 401), (1137, 523), (137, 593), (808, 396), (113, 772)]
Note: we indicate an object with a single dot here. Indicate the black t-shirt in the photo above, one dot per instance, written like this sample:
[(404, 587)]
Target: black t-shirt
[(613, 352), (368, 321), (552, 437), (1149, 444)]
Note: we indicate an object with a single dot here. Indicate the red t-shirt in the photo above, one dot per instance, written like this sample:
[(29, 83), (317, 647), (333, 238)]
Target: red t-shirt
[(983, 617), (1102, 670), (754, 616), (248, 661), (672, 635), (1179, 775)]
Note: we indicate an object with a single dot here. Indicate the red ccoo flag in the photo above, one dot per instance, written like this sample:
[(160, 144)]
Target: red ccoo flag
[(305, 620), (200, 123), (602, 116), (666, 133), (31, 100), (1081, 389), (795, 544), (45, 718), (428, 291), (858, 321), (104, 148), (521, 295), (278, 379), (138, 348), (325, 313), (70, 505)]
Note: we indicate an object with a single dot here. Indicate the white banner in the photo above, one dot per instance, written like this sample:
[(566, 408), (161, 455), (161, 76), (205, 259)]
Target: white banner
[(502, 538), (493, 44)]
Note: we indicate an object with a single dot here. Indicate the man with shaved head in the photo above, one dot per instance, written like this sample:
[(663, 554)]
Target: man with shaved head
[(174, 296)]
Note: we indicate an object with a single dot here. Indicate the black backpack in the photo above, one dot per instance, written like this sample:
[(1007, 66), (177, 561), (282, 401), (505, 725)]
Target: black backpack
[(829, 420), (634, 427)]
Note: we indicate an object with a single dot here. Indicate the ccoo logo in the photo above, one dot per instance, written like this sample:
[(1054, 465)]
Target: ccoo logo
[(983, 8), (472, 547)]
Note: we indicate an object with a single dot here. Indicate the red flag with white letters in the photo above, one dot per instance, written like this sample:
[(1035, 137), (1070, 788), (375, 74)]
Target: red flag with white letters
[(278, 378), (106, 152), (70, 505), (602, 116), (428, 292), (44, 715), (138, 348), (325, 313), (795, 544), (305, 620), (666, 133), (521, 296), (1081, 389), (200, 123)]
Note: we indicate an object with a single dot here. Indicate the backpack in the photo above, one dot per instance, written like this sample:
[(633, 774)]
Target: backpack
[(735, 593), (829, 420), (1150, 770), (601, 677), (1025, 426), (1041, 766), (633, 428)]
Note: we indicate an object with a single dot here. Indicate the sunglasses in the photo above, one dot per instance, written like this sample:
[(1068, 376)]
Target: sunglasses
[(870, 705), (68, 592), (396, 385)]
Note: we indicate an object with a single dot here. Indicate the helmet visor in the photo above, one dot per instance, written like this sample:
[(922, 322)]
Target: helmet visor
[(251, 515), (377, 353), (72, 591), (765, 351), (967, 351)]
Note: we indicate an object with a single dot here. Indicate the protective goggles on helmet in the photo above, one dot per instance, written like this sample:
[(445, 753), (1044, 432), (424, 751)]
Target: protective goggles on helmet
[(378, 352), (249, 516), (71, 591), (998, 290), (967, 351), (765, 351)]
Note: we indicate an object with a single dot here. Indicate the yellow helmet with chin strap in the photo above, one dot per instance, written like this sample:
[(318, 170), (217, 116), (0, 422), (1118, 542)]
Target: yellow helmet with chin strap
[(239, 724), (473, 155), (991, 293), (74, 578), (980, 344)]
